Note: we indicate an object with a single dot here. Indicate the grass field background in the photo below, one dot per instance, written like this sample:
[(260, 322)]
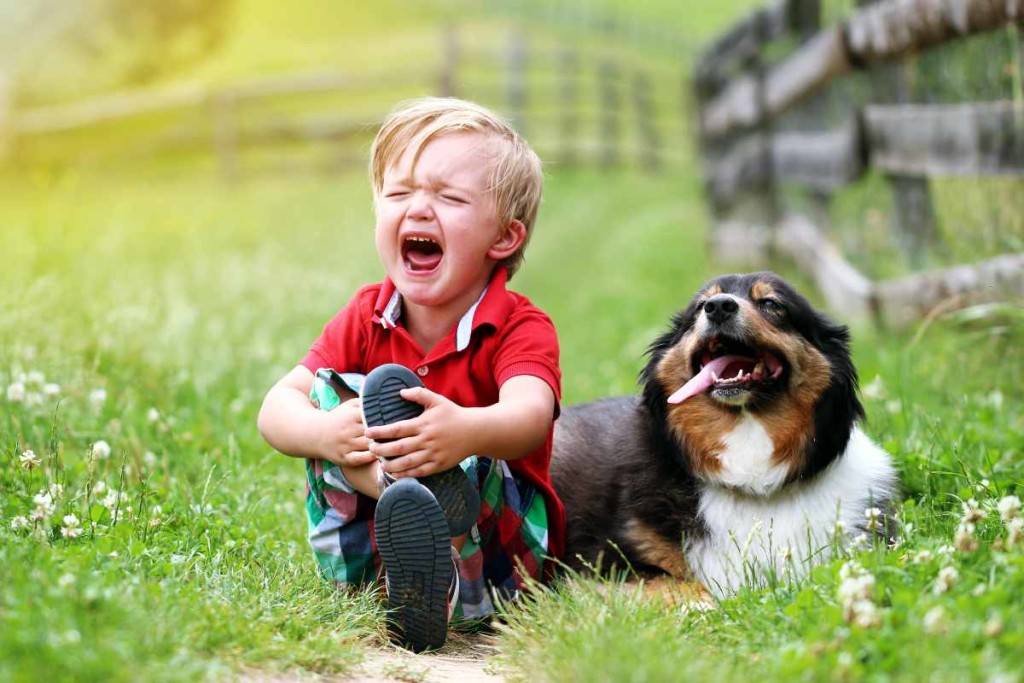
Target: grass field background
[(145, 311)]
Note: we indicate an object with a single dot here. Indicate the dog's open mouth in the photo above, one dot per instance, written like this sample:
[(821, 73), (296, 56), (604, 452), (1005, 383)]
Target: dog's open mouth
[(730, 369), (421, 254)]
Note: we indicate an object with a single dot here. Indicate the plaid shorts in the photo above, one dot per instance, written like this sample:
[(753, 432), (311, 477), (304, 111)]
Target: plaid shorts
[(505, 548)]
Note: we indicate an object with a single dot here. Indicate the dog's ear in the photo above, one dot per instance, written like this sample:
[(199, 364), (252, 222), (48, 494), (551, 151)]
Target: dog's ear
[(839, 406)]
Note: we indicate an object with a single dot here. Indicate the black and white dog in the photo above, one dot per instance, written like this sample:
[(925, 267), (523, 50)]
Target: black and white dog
[(741, 457)]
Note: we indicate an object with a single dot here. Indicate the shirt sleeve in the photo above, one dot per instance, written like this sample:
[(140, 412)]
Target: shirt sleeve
[(529, 346), (342, 344)]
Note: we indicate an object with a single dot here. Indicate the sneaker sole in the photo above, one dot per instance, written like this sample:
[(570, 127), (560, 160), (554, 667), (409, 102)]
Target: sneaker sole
[(412, 536), (381, 397), (383, 405)]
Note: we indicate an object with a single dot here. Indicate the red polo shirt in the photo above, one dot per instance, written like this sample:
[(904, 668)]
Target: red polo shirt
[(501, 336)]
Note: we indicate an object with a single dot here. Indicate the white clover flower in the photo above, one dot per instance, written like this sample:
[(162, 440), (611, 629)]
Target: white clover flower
[(55, 490), (850, 569), (995, 399), (35, 377), (935, 621), (16, 392), (66, 580), (153, 415), (51, 390), (29, 460), (99, 488), (972, 513), (149, 459), (922, 556), (1014, 531), (97, 397), (946, 550), (993, 627), (20, 522), (865, 614), (111, 500), (100, 450), (874, 517), (945, 580), (979, 590), (856, 588), (1008, 507), (893, 406), (874, 390), (44, 506), (71, 528), (964, 540)]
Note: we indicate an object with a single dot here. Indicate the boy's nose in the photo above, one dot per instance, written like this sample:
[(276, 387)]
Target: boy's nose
[(419, 206)]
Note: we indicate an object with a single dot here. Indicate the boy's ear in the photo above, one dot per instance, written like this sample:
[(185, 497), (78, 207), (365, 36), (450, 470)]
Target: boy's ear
[(509, 241)]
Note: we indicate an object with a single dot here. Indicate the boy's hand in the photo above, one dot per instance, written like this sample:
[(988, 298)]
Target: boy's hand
[(433, 442), (343, 441)]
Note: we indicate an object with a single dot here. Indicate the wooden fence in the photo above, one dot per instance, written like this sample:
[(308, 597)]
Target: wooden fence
[(742, 95), (628, 121)]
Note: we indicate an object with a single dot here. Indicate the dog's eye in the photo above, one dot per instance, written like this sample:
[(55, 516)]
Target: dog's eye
[(771, 306)]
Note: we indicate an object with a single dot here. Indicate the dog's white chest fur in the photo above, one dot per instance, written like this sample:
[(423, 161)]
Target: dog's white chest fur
[(751, 535), (747, 462)]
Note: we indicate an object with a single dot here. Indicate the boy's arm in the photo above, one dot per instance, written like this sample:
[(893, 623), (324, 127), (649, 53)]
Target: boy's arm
[(445, 434), (293, 426)]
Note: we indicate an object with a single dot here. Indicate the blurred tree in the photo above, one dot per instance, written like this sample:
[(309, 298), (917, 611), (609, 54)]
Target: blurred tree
[(55, 49), (162, 35)]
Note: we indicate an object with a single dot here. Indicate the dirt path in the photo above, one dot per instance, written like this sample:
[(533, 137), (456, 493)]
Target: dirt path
[(465, 659)]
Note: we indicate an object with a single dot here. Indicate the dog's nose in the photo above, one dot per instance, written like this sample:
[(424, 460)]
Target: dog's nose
[(720, 308)]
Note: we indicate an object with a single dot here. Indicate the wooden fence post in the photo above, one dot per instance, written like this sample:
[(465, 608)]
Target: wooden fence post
[(768, 198), (568, 61), (6, 118), (1020, 62), (225, 134), (608, 76), (650, 147), (517, 62), (914, 220), (448, 87)]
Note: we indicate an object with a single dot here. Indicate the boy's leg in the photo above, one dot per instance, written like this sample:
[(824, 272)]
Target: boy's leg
[(422, 584), (508, 548), (340, 518), (382, 405)]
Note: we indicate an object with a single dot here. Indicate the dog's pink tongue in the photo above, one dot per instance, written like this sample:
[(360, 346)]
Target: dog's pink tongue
[(702, 380)]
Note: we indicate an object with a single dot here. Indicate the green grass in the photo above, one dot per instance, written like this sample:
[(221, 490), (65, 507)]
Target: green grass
[(184, 304), (184, 300)]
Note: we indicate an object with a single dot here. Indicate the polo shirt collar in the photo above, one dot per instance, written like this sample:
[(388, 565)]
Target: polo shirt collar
[(491, 308)]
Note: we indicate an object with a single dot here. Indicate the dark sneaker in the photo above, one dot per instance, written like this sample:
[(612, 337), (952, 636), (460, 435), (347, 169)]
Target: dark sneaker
[(412, 536), (383, 405)]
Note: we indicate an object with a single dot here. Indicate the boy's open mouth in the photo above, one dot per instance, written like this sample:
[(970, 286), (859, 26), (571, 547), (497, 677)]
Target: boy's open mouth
[(421, 254)]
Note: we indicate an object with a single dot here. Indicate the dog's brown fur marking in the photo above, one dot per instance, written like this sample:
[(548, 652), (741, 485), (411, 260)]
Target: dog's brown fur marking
[(656, 550), (704, 444), (674, 593), (762, 290)]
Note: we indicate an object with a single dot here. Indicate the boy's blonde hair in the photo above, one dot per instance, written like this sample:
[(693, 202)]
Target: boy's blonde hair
[(515, 179)]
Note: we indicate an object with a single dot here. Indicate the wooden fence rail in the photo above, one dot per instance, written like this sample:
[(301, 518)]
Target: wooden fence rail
[(240, 116), (740, 101)]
